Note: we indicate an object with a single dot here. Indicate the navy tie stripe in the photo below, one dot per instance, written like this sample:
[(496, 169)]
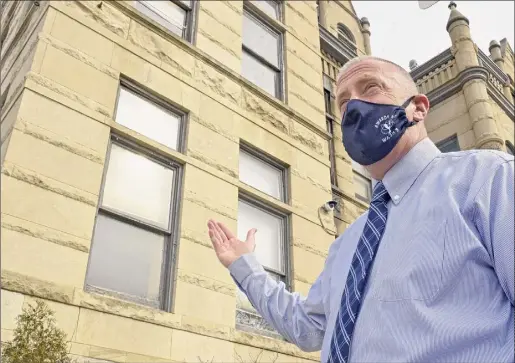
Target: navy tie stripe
[(357, 277)]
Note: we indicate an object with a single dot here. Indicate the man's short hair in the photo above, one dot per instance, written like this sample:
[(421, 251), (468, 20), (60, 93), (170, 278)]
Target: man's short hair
[(408, 84)]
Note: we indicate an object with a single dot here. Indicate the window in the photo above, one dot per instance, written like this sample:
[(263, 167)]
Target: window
[(270, 7), (267, 177), (449, 145), (175, 15), (134, 236), (262, 54), (509, 148), (330, 127), (149, 119), (332, 156), (345, 33), (272, 239), (362, 183)]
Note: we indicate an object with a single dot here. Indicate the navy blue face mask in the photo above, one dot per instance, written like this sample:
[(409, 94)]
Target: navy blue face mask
[(371, 130)]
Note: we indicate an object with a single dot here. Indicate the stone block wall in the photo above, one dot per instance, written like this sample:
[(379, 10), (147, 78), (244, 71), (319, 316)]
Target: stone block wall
[(61, 118)]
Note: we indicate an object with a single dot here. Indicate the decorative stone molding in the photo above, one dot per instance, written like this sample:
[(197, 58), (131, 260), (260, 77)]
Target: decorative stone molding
[(431, 64), (442, 93), (486, 62), (493, 145), (74, 296), (341, 50), (246, 320), (501, 100)]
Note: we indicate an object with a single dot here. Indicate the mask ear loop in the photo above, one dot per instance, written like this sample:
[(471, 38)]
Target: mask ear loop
[(406, 104)]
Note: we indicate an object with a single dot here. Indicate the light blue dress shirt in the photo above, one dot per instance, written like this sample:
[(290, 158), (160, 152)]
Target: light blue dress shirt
[(441, 287)]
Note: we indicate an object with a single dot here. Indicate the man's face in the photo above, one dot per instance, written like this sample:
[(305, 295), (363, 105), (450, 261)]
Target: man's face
[(368, 80)]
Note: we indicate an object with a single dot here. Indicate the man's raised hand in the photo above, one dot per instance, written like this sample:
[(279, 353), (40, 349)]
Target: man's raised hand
[(228, 248)]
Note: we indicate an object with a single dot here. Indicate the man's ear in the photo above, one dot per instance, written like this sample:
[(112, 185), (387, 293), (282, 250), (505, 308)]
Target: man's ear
[(421, 103)]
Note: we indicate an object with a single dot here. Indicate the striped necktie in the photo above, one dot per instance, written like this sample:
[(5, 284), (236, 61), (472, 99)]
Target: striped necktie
[(357, 277)]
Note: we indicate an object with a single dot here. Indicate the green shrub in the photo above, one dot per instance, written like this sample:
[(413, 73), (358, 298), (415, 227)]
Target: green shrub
[(36, 338)]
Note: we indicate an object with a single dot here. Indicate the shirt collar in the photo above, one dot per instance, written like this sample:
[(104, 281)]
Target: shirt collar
[(399, 179)]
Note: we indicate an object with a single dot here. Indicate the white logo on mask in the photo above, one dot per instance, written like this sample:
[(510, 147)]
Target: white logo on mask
[(387, 127)]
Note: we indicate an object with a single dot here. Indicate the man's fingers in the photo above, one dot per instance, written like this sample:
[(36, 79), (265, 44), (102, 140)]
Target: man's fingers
[(226, 230), (214, 235), (219, 232)]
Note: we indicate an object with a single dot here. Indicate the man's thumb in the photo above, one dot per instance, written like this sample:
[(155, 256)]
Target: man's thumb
[(251, 237)]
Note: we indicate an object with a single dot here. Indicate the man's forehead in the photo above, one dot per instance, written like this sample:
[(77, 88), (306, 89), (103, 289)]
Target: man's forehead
[(366, 68)]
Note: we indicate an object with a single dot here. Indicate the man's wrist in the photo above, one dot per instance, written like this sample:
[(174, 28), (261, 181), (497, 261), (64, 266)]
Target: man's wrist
[(245, 266)]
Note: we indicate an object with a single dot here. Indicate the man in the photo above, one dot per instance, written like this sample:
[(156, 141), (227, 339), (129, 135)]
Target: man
[(427, 273)]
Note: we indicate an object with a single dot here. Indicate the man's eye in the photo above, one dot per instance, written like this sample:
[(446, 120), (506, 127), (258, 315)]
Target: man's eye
[(371, 86)]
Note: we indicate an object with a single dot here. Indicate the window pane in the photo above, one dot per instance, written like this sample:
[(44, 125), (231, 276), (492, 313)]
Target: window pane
[(138, 186), (261, 175), (261, 40), (449, 145), (126, 259), (269, 7), (259, 74), (166, 13), (359, 168), (363, 187), (269, 238), (148, 119)]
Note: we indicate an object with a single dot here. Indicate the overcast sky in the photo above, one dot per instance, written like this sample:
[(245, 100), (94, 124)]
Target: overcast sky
[(401, 31)]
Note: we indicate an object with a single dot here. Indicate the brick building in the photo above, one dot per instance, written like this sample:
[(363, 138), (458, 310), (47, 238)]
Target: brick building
[(126, 125)]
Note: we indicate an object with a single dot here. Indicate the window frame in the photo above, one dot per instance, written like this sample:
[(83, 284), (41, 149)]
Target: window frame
[(358, 171), (249, 199), (166, 105), (262, 20), (330, 121), (171, 234), (448, 141), (280, 10), (346, 32), (254, 200), (286, 277), (332, 150), (369, 182), (190, 20), (273, 162)]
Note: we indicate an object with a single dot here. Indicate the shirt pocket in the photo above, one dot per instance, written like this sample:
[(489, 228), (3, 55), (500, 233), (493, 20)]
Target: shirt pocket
[(412, 268)]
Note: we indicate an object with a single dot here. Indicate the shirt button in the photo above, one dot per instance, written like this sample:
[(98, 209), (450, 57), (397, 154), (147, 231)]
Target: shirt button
[(396, 198)]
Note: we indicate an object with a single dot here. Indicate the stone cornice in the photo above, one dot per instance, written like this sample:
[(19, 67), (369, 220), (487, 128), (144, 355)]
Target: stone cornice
[(431, 64), (501, 100), (336, 48), (489, 64), (447, 90), (450, 88)]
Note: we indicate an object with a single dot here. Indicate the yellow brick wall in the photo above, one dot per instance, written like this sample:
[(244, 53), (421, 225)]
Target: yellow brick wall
[(51, 177)]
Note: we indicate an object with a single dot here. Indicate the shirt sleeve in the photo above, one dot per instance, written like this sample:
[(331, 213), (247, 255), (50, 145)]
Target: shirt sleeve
[(301, 320), (494, 219)]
